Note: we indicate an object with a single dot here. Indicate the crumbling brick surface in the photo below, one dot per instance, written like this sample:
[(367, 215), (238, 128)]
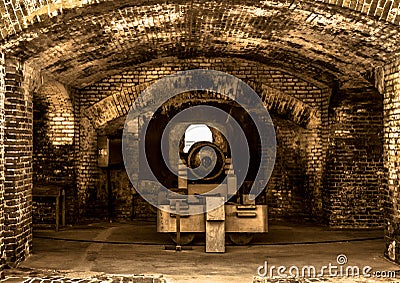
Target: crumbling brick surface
[(51, 276)]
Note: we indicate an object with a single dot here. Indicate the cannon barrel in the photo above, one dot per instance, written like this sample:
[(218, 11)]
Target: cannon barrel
[(206, 161)]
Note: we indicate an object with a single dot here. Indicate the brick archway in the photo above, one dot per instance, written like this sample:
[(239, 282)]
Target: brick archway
[(275, 101)]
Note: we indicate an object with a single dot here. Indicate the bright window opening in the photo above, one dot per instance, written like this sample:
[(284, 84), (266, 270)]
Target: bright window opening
[(196, 133)]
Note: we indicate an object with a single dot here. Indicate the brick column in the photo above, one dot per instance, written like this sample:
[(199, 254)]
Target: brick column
[(2, 122), (18, 162), (87, 170), (391, 124)]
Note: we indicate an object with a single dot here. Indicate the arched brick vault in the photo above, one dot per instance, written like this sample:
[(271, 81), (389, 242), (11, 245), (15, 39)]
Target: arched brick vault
[(331, 44), (335, 44), (34, 11), (119, 104)]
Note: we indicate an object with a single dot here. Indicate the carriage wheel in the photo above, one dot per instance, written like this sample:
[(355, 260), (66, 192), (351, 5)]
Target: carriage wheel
[(240, 239), (186, 238)]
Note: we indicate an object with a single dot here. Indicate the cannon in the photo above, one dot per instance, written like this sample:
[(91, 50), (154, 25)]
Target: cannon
[(203, 168)]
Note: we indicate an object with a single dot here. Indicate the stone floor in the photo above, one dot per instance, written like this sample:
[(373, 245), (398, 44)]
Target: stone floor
[(135, 252), (31, 276)]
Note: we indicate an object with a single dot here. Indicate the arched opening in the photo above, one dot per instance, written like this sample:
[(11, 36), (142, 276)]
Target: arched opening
[(196, 133)]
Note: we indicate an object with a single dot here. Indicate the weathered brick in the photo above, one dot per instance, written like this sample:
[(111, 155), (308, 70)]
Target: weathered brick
[(18, 161)]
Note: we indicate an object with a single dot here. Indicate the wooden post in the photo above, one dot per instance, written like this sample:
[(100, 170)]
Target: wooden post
[(109, 193), (57, 212), (178, 226), (63, 207), (215, 225)]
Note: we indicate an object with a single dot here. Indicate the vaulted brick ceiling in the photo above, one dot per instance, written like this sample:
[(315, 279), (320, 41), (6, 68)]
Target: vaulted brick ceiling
[(312, 39)]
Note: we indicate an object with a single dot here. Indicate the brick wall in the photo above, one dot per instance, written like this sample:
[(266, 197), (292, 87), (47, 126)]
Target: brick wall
[(391, 111), (103, 102), (53, 151), (87, 172), (18, 161), (59, 118), (2, 179), (354, 160)]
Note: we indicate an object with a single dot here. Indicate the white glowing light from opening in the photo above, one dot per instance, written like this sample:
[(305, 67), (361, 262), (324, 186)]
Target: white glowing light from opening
[(196, 133)]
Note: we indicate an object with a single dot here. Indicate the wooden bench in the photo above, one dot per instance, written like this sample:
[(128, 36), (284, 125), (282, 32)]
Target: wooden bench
[(52, 191)]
